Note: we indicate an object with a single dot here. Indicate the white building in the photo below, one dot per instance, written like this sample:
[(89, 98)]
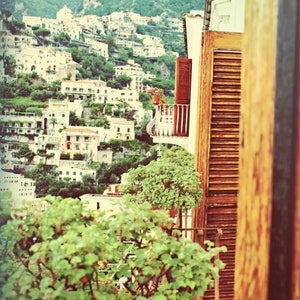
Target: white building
[(21, 124), (100, 202), (227, 15), (81, 140), (73, 172), (90, 24), (122, 129), (81, 89), (21, 188), (97, 47), (138, 19), (97, 91), (136, 73), (64, 15), (105, 156), (56, 116), (47, 149), (51, 64)]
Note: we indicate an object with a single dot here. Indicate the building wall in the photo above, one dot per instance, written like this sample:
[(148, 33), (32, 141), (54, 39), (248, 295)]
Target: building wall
[(122, 129), (21, 188)]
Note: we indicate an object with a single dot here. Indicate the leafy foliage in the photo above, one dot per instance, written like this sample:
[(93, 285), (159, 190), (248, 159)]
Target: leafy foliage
[(92, 66), (69, 252), (166, 84), (169, 182), (25, 152)]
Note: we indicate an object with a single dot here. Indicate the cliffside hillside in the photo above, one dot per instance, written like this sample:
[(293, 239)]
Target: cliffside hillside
[(48, 9)]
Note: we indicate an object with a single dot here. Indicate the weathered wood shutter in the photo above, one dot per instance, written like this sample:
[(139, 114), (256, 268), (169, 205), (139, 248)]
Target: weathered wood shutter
[(217, 151), (182, 95)]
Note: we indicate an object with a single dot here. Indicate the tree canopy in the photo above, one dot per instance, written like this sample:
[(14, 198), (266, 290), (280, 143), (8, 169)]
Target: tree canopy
[(66, 251), (169, 182)]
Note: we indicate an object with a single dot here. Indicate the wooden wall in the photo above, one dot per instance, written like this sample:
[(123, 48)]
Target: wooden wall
[(267, 255)]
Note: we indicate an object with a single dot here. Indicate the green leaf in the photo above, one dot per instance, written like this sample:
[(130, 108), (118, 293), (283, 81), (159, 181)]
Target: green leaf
[(90, 258), (76, 260)]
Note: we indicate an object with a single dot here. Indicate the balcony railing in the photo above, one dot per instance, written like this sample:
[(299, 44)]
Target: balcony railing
[(170, 121)]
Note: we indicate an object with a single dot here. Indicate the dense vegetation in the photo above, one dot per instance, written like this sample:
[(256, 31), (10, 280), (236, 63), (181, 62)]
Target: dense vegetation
[(48, 9), (128, 154), (67, 251)]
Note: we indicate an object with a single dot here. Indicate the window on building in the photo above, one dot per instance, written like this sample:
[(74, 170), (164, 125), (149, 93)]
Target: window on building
[(77, 138), (118, 129), (86, 138), (68, 138), (128, 129)]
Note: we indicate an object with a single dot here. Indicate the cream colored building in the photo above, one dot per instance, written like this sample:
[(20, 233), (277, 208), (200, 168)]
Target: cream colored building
[(50, 63), (122, 129), (136, 73), (21, 188), (64, 15), (81, 140), (56, 116), (100, 202), (74, 173)]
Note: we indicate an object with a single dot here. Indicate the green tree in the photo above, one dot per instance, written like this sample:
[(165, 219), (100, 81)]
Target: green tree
[(69, 252), (141, 133), (63, 39), (23, 88), (9, 65), (37, 111), (111, 43), (146, 100), (25, 152), (43, 32), (114, 84), (124, 80), (172, 181), (44, 177), (74, 120)]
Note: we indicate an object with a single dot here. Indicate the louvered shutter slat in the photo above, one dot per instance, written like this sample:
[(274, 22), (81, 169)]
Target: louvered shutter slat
[(225, 117), (218, 152)]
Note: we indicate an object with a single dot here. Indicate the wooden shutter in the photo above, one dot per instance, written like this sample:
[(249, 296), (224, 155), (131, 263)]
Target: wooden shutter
[(217, 153), (182, 96), (183, 80), (224, 123)]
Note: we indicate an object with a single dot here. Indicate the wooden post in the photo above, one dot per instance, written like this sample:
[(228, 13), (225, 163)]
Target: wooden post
[(267, 256), (296, 248)]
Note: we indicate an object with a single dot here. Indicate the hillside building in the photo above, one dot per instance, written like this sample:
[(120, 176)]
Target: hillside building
[(122, 129), (21, 188), (136, 73), (49, 63), (81, 140)]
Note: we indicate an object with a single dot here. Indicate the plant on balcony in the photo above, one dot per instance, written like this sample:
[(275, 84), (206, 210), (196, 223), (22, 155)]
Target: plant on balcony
[(65, 251), (170, 182), (65, 156), (78, 156)]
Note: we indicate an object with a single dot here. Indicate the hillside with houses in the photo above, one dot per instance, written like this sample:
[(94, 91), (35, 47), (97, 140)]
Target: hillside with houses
[(72, 86)]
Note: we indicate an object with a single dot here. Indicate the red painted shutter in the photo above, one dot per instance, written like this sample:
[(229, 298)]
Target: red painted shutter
[(182, 96)]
